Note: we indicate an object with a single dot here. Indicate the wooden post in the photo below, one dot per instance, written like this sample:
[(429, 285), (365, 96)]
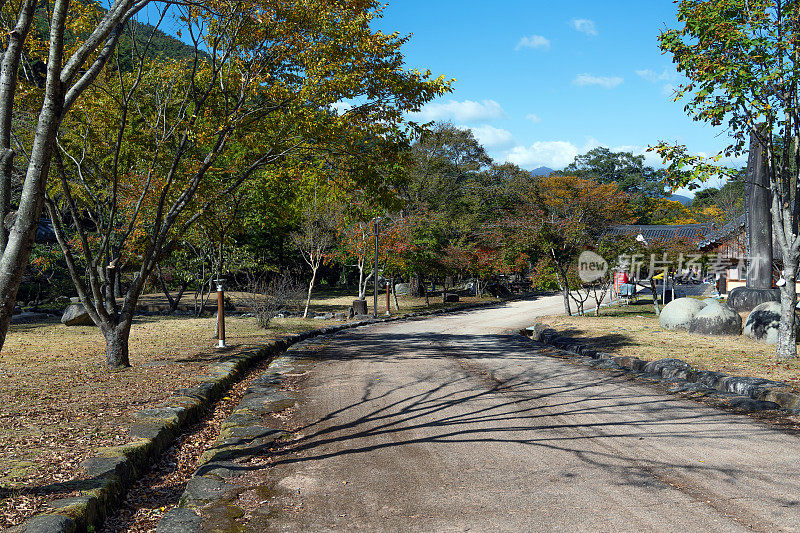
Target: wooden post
[(375, 273), (220, 314), (387, 298)]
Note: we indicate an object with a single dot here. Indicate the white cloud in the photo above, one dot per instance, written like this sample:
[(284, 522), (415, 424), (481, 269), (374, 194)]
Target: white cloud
[(533, 41), (651, 159), (606, 82), (584, 26), (492, 137), (466, 111), (654, 77), (667, 78), (533, 118), (553, 154)]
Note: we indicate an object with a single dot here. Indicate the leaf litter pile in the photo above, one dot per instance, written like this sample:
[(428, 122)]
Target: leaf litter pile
[(58, 403)]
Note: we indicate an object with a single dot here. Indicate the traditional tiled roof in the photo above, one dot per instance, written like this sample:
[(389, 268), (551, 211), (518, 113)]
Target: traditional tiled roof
[(724, 233), (665, 232)]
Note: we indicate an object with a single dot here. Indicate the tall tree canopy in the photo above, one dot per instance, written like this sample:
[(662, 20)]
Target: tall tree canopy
[(152, 149), (741, 59)]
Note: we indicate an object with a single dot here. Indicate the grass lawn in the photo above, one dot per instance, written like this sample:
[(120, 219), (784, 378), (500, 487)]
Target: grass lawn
[(58, 402), (633, 330)]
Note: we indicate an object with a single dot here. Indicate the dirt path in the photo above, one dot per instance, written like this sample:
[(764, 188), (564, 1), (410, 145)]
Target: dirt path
[(455, 424)]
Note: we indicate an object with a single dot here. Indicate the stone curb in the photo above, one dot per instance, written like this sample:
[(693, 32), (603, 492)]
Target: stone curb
[(748, 393), (112, 471)]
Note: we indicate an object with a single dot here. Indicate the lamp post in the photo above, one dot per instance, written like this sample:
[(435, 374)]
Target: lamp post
[(220, 313), (375, 272)]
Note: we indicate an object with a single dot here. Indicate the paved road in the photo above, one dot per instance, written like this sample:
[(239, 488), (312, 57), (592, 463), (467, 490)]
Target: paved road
[(457, 424)]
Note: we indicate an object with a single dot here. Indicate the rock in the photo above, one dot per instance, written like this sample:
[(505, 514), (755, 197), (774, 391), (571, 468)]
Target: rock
[(451, 298), (749, 404), (751, 387), (679, 313), (202, 489), (668, 368), (716, 319), (26, 317), (535, 331), (340, 316), (746, 299), (762, 322), (708, 378), (76, 315), (179, 520), (46, 523), (324, 316), (402, 289)]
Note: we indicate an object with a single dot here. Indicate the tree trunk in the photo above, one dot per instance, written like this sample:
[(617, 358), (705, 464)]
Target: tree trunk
[(362, 284), (416, 285), (117, 345), (561, 277), (787, 332), (310, 288)]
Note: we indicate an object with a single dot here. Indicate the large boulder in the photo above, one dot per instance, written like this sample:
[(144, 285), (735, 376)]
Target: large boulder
[(716, 319), (762, 322), (76, 315), (402, 289), (679, 313), (745, 299)]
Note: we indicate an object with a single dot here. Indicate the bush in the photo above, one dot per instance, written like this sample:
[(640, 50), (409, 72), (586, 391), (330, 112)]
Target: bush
[(543, 276), (269, 298)]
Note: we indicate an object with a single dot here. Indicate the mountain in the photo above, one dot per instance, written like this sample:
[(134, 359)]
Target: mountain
[(162, 46), (542, 171), (685, 200)]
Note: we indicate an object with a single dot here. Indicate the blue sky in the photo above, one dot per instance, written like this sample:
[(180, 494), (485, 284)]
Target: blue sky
[(539, 82)]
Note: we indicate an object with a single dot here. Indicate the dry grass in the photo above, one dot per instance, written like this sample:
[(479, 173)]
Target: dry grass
[(58, 402), (634, 331)]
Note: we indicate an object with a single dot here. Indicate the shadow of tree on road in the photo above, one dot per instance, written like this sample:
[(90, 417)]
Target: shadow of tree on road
[(596, 417)]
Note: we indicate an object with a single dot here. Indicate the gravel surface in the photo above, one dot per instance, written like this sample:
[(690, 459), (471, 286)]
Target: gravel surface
[(456, 423)]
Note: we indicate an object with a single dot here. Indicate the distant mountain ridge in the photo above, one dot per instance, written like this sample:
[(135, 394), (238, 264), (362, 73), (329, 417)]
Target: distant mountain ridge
[(542, 171), (685, 200)]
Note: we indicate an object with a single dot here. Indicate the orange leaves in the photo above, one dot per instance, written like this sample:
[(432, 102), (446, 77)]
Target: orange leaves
[(582, 199)]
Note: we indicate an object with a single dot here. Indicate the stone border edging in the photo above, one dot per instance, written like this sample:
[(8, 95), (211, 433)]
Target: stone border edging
[(113, 470), (739, 391)]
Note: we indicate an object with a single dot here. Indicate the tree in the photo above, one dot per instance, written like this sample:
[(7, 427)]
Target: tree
[(315, 237), (444, 164), (561, 217), (357, 244), (80, 41), (741, 61), (156, 147), (640, 182)]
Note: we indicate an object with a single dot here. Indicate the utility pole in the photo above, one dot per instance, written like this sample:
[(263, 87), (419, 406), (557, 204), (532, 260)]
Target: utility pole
[(375, 273)]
